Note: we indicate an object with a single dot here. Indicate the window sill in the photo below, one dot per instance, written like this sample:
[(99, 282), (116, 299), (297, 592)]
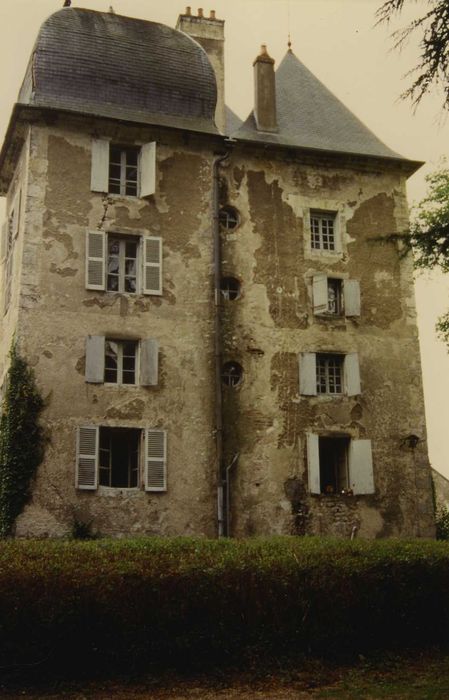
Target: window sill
[(115, 492), (117, 198)]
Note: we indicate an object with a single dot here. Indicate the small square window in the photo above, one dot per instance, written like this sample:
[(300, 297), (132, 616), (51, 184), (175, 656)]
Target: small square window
[(123, 170), (329, 374), (120, 362), (323, 231), (119, 457)]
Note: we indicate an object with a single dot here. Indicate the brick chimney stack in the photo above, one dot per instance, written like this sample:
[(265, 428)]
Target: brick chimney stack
[(209, 32), (265, 92)]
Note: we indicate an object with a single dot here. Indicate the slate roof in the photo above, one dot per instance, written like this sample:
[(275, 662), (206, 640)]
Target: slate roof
[(110, 65), (310, 116), (233, 122)]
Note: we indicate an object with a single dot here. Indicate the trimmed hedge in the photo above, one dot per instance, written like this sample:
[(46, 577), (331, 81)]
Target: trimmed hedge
[(133, 604)]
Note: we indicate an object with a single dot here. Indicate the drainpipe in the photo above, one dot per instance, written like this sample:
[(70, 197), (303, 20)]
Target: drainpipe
[(228, 493), (217, 341)]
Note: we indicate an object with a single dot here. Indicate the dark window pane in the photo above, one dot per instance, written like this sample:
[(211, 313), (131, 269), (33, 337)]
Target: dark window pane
[(130, 285), (112, 283), (110, 376), (129, 378), (115, 155), (130, 249), (131, 157), (131, 189)]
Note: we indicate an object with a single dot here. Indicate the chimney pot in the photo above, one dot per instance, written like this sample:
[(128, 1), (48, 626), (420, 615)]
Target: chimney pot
[(188, 11), (200, 12), (212, 14)]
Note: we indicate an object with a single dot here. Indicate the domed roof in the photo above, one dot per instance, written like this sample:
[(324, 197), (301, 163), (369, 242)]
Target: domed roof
[(114, 66)]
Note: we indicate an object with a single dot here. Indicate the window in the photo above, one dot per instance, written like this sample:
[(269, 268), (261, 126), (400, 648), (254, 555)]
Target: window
[(123, 170), (329, 374), (230, 288), (335, 297), (121, 458), (123, 264), (323, 231), (338, 464), (231, 374), (122, 361), (229, 218)]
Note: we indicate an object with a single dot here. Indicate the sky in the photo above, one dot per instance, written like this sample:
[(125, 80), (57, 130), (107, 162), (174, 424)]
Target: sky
[(338, 42)]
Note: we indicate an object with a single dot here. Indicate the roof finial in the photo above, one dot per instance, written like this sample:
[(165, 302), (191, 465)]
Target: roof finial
[(289, 43), (111, 10), (67, 3)]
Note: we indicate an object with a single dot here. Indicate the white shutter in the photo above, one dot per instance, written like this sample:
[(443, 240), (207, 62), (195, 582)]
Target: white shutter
[(147, 169), (95, 359), (313, 462), (351, 293), (352, 374), (152, 265), (361, 467), (307, 373), (155, 460), (320, 298), (87, 457), (149, 355), (99, 179), (95, 259)]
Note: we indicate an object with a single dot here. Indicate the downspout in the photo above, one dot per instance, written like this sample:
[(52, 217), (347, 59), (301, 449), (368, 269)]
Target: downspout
[(228, 493), (217, 343)]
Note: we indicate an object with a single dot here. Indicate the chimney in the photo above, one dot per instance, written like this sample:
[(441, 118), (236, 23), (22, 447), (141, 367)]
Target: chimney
[(209, 32), (265, 92)]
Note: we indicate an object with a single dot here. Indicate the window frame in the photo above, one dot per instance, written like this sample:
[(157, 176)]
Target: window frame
[(151, 462), (359, 464), (100, 168), (122, 259), (149, 262), (332, 375), (308, 374), (120, 356), (146, 360), (321, 217), (123, 182)]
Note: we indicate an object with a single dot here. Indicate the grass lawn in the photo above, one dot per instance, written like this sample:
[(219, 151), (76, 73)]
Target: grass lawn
[(418, 677)]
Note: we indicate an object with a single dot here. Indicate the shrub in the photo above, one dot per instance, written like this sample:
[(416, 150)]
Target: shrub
[(442, 523), (21, 440), (111, 605)]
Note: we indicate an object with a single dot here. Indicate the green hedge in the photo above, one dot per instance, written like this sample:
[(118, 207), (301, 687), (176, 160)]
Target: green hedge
[(132, 604)]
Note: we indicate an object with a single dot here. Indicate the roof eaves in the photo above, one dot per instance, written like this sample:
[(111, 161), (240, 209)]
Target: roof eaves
[(411, 166)]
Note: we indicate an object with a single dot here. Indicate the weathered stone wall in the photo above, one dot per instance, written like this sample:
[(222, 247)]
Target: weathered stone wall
[(266, 418), (16, 198), (58, 313), (441, 485)]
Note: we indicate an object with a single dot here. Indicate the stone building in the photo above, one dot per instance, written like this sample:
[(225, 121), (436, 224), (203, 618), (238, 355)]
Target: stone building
[(217, 315)]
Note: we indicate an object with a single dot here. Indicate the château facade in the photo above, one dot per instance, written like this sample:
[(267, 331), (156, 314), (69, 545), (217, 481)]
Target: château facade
[(219, 320)]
